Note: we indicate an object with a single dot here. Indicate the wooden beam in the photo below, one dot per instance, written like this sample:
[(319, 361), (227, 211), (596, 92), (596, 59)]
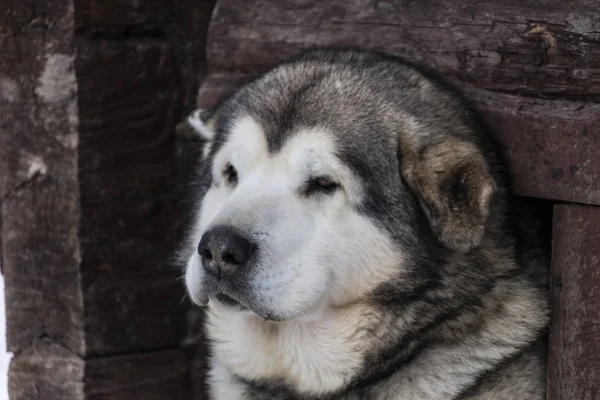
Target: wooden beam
[(541, 48), (551, 146), (574, 351)]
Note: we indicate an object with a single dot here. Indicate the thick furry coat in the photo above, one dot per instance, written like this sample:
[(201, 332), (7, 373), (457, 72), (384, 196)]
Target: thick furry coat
[(354, 239)]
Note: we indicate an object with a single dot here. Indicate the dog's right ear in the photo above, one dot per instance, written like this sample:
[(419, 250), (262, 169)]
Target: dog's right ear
[(199, 126), (453, 183)]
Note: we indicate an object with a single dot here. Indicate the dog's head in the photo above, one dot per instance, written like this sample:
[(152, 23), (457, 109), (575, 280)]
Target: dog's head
[(327, 177)]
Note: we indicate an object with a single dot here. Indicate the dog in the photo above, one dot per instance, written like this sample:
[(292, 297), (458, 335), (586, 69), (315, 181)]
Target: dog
[(353, 237)]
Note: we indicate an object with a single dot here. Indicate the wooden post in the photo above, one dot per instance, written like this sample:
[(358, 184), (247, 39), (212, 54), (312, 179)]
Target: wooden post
[(40, 192), (89, 96), (574, 351)]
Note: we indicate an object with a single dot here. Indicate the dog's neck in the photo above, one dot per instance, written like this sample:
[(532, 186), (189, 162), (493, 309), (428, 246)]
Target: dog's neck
[(317, 355)]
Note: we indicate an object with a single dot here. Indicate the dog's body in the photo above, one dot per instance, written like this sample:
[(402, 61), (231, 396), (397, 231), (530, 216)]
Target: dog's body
[(354, 240)]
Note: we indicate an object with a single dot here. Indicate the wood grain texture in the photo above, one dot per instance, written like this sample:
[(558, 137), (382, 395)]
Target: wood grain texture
[(551, 146), (195, 17), (130, 99), (536, 48), (147, 16), (46, 371), (574, 351), (196, 346), (39, 176), (129, 313), (160, 375), (89, 210)]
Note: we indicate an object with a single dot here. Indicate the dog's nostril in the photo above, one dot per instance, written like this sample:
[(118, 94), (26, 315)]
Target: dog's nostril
[(206, 255), (229, 258)]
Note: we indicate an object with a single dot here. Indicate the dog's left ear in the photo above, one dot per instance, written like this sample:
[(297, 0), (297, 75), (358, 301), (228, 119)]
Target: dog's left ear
[(199, 126), (452, 180)]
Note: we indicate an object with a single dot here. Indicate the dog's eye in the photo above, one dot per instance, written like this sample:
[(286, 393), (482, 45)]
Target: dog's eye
[(230, 174), (321, 184)]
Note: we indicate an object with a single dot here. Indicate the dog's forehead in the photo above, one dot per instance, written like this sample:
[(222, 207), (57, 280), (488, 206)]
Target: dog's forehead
[(308, 144), (328, 111), (307, 147)]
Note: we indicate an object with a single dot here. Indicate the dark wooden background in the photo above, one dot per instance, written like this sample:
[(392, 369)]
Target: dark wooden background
[(90, 92)]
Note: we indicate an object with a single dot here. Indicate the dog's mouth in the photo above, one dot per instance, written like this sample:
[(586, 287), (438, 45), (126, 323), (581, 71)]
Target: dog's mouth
[(229, 301), (233, 304)]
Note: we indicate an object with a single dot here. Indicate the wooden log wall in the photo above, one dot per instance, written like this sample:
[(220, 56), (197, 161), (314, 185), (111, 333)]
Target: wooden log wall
[(531, 67), (89, 93)]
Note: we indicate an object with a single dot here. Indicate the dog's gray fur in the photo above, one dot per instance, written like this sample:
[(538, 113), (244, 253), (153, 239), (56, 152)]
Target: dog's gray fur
[(463, 314)]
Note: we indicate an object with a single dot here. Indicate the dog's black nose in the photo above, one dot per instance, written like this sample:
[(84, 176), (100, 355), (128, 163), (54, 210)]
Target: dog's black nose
[(223, 251)]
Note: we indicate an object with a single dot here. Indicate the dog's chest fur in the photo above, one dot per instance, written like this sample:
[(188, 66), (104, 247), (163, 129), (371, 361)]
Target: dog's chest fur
[(314, 356)]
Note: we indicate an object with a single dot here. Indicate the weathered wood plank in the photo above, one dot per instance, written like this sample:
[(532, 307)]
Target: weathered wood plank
[(161, 375), (88, 207), (551, 146), (574, 351), (129, 100), (537, 48), (196, 15), (137, 14), (131, 236), (128, 313), (196, 347), (46, 371), (216, 85), (38, 175)]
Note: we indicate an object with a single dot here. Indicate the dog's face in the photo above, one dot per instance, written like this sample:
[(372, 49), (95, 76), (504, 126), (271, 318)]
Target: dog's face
[(314, 202), (282, 233)]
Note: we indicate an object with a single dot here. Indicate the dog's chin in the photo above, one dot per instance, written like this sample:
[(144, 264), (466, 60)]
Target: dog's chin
[(229, 303)]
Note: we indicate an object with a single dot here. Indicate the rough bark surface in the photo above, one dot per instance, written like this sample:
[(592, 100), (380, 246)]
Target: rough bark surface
[(574, 359)]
